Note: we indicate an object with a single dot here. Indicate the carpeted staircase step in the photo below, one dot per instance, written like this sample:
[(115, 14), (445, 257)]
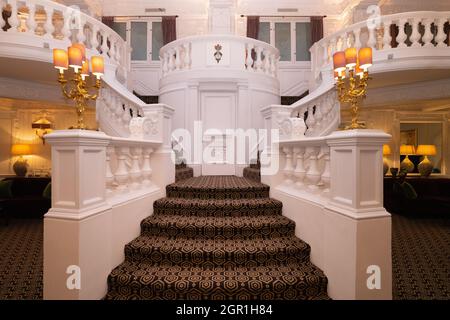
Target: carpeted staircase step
[(246, 227), (252, 174), (217, 207), (217, 251), (183, 173), (139, 280), (217, 187)]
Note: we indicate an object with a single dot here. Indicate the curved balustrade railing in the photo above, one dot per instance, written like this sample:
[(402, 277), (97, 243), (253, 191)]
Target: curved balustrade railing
[(244, 54), (408, 30), (47, 24)]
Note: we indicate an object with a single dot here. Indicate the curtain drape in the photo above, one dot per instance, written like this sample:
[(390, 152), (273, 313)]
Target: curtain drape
[(253, 27), (109, 21), (169, 29), (316, 29)]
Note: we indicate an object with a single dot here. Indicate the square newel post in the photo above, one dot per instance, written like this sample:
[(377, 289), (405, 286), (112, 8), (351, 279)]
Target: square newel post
[(163, 159), (358, 231), (76, 227)]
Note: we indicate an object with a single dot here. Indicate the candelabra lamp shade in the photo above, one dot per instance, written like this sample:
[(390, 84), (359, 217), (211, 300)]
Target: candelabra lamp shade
[(407, 164), (365, 58), (339, 62), (20, 167), (386, 152), (351, 57), (426, 166)]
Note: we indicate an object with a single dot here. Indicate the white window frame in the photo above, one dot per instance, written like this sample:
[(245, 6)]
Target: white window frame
[(292, 21), (149, 21)]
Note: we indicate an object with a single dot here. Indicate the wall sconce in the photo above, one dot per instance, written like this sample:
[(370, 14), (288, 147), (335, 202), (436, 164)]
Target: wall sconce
[(42, 127)]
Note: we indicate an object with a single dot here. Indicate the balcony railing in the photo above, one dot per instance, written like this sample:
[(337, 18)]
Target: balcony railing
[(235, 53), (403, 35), (47, 24)]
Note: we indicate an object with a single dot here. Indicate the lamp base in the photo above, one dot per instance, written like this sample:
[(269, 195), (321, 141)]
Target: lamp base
[(425, 167), (385, 167), (407, 165), (20, 168)]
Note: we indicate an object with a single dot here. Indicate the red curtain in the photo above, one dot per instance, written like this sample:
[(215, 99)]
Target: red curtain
[(316, 29), (169, 29), (253, 27), (109, 21)]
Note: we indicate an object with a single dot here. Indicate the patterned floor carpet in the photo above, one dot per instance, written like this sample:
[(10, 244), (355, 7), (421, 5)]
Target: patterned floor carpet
[(217, 238), (21, 260), (420, 258)]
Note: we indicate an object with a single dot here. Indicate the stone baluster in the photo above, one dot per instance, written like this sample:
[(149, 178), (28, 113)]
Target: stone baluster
[(387, 38), (310, 121), (325, 56), (112, 49), (105, 48), (121, 175), (288, 167), (300, 171), (165, 63), (31, 21), (118, 50), (81, 37), (48, 26), (428, 35), (313, 175), (171, 60), (273, 65), (344, 41), (135, 171), (318, 116), (441, 36), (415, 34), (177, 58), (333, 47), (326, 174), (258, 62), (372, 41), (109, 175), (13, 20), (146, 169), (266, 61), (67, 16), (126, 117), (187, 55), (249, 60), (402, 36), (357, 34), (94, 38)]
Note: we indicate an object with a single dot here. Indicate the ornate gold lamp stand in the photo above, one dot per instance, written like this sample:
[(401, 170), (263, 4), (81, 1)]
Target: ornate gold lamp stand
[(352, 77), (75, 57)]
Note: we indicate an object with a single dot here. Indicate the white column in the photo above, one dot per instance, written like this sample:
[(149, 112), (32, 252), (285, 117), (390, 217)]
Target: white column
[(49, 27), (135, 171), (326, 174), (313, 174), (146, 168), (288, 167), (122, 175), (31, 21), (109, 174), (387, 38)]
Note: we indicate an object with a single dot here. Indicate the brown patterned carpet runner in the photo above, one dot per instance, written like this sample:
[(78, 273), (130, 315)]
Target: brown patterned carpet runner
[(217, 238)]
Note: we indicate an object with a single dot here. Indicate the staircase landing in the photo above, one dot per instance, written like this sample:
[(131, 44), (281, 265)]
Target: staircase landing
[(217, 237)]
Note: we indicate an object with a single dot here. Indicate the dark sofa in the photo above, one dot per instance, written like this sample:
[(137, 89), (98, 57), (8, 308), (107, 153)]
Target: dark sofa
[(433, 197), (27, 199)]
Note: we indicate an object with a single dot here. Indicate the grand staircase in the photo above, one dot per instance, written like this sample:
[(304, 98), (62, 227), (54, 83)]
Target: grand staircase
[(217, 237)]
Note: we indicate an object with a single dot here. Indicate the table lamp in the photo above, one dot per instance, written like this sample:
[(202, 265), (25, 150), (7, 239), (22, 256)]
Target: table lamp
[(20, 166), (426, 166), (407, 150)]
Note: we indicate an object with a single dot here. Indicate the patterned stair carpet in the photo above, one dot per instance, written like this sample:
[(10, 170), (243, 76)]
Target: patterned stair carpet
[(217, 238), (183, 172)]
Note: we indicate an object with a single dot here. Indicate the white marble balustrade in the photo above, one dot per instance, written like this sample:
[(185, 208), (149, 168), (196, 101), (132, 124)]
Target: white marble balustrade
[(48, 24), (238, 53), (408, 30), (128, 166)]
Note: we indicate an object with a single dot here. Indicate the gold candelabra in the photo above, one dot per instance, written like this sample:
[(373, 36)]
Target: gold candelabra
[(75, 58), (352, 78)]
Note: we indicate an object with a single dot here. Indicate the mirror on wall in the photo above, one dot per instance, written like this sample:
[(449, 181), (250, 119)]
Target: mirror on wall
[(421, 143)]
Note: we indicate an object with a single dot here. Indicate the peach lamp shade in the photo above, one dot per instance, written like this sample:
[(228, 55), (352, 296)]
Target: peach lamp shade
[(82, 49), (339, 61), (386, 150), (365, 58), (406, 149), (426, 150), (60, 59), (75, 57), (351, 57), (20, 149), (98, 66)]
